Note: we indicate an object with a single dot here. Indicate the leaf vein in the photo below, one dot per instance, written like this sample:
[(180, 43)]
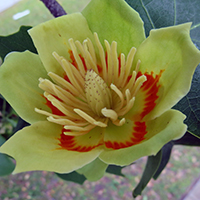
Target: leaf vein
[(195, 26), (147, 13)]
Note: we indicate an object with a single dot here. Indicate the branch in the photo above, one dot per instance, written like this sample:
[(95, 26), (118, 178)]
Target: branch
[(54, 7)]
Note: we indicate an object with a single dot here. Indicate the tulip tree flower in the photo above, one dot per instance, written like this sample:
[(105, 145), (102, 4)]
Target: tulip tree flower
[(104, 94)]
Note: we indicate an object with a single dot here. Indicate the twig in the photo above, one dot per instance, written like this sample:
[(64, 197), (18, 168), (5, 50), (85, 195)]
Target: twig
[(54, 7)]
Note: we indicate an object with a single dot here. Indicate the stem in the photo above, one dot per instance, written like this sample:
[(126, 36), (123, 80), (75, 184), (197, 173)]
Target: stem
[(54, 7)]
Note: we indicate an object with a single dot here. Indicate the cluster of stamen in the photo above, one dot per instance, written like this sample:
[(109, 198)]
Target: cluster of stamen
[(98, 88)]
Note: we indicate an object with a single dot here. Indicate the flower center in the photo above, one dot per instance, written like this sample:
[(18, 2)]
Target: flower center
[(95, 87), (98, 94)]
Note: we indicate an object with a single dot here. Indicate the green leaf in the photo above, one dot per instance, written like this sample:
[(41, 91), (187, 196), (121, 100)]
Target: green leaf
[(19, 41), (6, 164), (188, 139), (151, 167), (190, 105), (163, 13), (73, 176), (166, 152), (113, 169)]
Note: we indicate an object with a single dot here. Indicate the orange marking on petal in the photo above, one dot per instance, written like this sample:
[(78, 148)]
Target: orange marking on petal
[(54, 110), (73, 60), (106, 59), (128, 78), (99, 69), (83, 61), (109, 144), (70, 143), (139, 127), (137, 136), (150, 87), (119, 61), (139, 130), (66, 78)]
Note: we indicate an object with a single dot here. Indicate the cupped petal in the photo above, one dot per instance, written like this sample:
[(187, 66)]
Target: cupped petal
[(53, 36), (94, 170), (161, 130), (171, 53), (19, 76), (37, 148), (115, 20)]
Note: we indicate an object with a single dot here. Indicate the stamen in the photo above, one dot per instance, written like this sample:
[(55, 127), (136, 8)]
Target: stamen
[(76, 56), (67, 110), (43, 112), (57, 57), (119, 122), (77, 133), (137, 66), (76, 128), (113, 116), (115, 64), (89, 118), (139, 82), (91, 50), (122, 71), (68, 70), (62, 94), (119, 93), (80, 47), (63, 83), (109, 63), (91, 63), (66, 67), (66, 121), (84, 52), (60, 121), (129, 61), (128, 95), (46, 85), (109, 113), (102, 56), (131, 81), (69, 99), (128, 106)]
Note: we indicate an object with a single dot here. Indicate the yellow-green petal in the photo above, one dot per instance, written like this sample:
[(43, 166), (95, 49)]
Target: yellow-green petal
[(94, 170), (161, 130), (36, 148), (115, 20), (54, 35), (19, 76), (169, 49)]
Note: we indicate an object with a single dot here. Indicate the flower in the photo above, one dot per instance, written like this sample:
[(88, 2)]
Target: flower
[(105, 91)]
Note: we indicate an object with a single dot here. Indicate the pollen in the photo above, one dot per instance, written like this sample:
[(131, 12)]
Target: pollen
[(98, 85)]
